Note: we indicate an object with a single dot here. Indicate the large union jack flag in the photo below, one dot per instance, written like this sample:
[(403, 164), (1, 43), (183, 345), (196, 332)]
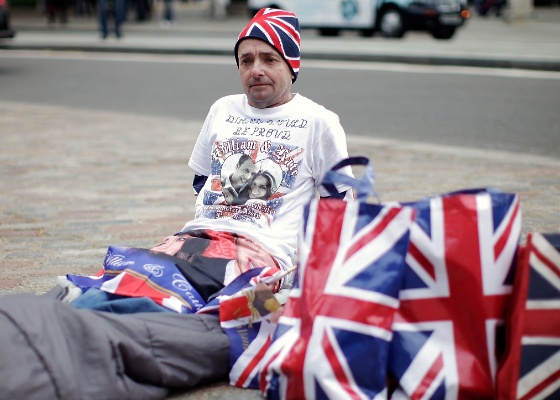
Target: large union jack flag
[(333, 336), (279, 28), (457, 281), (531, 368)]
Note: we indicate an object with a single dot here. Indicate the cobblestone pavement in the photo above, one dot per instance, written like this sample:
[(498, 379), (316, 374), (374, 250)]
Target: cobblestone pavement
[(74, 182)]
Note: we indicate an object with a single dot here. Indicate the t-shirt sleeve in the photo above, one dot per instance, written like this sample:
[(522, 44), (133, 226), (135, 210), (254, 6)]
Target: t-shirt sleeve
[(201, 157), (330, 149)]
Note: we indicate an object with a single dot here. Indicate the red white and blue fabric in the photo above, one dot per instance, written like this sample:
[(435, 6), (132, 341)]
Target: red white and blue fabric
[(278, 28), (245, 280), (456, 285), (138, 272), (531, 366), (249, 345), (249, 337), (333, 335)]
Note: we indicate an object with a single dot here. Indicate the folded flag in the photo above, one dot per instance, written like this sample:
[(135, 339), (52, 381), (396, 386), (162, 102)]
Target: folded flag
[(244, 307), (135, 272), (243, 317)]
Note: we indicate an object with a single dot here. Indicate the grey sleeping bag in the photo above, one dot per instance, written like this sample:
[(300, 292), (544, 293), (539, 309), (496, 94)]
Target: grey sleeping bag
[(49, 350)]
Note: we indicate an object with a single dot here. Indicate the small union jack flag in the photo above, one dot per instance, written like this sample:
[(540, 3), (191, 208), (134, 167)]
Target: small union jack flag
[(244, 307), (455, 289), (245, 368), (278, 28), (333, 336), (531, 366)]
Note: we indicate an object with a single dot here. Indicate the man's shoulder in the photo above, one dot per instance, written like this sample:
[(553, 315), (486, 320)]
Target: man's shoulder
[(230, 99), (312, 107)]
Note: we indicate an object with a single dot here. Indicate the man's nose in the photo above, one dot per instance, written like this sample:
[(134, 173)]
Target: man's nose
[(257, 69)]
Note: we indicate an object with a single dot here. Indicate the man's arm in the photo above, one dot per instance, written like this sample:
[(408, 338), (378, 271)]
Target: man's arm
[(198, 183), (341, 195)]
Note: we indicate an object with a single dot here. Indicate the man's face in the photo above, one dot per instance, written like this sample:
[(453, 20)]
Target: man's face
[(265, 75), (243, 173)]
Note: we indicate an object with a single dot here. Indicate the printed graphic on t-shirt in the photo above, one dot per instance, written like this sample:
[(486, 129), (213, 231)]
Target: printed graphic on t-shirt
[(250, 178), (244, 179)]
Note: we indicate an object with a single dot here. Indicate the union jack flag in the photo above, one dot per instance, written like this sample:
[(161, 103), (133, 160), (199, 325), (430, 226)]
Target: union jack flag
[(333, 336), (245, 368), (456, 285), (279, 28), (244, 307), (531, 367)]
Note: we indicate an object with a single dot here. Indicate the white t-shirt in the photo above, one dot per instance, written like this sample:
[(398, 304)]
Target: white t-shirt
[(291, 147)]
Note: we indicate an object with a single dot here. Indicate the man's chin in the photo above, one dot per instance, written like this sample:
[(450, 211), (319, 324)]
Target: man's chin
[(259, 101), (260, 91)]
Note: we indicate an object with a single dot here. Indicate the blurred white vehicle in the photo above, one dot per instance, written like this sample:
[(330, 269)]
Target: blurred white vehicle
[(392, 18)]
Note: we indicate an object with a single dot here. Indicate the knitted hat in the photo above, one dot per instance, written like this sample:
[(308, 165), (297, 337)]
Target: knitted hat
[(278, 28)]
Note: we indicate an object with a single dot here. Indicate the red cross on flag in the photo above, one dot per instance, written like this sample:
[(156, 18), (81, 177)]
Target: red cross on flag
[(455, 291), (333, 336)]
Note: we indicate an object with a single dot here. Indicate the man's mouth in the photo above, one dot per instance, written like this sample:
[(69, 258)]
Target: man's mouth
[(256, 84)]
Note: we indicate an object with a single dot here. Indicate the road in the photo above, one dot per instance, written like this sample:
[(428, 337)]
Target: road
[(493, 109)]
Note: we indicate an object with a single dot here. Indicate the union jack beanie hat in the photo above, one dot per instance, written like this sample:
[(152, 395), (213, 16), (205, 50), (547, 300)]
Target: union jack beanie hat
[(278, 28)]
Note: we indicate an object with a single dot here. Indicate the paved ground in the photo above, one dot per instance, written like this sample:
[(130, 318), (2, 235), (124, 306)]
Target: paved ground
[(74, 182)]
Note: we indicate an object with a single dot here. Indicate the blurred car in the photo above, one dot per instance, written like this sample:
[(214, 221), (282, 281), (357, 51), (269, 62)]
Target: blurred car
[(5, 30), (391, 18)]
